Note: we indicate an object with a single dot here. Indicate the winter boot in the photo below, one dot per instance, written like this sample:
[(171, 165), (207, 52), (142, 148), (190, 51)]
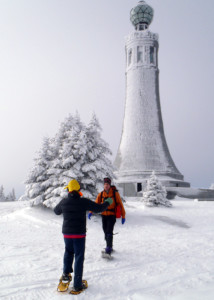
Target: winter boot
[(108, 250), (66, 277), (109, 240)]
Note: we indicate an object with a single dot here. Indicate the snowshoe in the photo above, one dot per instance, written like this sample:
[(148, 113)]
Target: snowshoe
[(64, 283), (106, 253), (80, 290)]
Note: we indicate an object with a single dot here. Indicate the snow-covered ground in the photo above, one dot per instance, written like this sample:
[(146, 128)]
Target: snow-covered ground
[(160, 253)]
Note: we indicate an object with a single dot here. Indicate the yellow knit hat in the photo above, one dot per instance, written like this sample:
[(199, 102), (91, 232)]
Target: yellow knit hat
[(73, 185)]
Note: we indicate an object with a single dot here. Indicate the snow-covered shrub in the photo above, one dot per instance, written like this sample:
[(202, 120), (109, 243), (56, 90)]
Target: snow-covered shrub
[(155, 193), (10, 197), (77, 151), (212, 186)]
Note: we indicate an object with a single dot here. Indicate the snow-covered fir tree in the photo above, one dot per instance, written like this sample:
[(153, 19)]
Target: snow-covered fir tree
[(39, 179), (97, 164), (10, 197), (70, 142), (155, 193), (2, 195), (77, 151)]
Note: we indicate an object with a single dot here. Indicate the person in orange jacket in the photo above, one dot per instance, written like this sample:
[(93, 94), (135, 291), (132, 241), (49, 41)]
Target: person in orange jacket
[(109, 216)]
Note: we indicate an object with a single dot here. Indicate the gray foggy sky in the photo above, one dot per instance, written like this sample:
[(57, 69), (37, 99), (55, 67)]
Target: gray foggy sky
[(59, 56)]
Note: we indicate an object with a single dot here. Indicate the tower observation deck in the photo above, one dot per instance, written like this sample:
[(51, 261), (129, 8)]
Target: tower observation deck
[(143, 148)]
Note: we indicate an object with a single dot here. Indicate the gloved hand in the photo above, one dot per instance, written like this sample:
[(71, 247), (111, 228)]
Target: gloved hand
[(123, 221), (89, 215), (109, 200)]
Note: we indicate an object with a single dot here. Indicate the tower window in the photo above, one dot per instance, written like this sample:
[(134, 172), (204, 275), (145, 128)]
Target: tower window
[(130, 57), (152, 55), (142, 26), (139, 187), (139, 54), (145, 54)]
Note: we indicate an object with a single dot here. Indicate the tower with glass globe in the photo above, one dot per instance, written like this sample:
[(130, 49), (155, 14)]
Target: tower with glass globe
[(143, 148)]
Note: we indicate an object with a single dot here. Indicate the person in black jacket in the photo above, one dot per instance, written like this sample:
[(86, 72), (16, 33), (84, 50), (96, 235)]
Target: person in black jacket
[(74, 208)]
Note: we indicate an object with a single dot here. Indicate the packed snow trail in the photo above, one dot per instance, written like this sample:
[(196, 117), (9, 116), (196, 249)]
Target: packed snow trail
[(160, 254)]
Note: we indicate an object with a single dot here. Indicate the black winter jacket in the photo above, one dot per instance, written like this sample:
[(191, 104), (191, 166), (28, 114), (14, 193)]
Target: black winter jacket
[(74, 210)]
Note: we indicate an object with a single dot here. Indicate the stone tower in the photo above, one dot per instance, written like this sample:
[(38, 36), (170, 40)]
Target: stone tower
[(143, 146)]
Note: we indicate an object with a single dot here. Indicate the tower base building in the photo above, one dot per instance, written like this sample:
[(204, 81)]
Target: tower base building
[(143, 148)]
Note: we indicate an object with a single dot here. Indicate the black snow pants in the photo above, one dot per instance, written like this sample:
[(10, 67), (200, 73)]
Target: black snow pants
[(108, 228)]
